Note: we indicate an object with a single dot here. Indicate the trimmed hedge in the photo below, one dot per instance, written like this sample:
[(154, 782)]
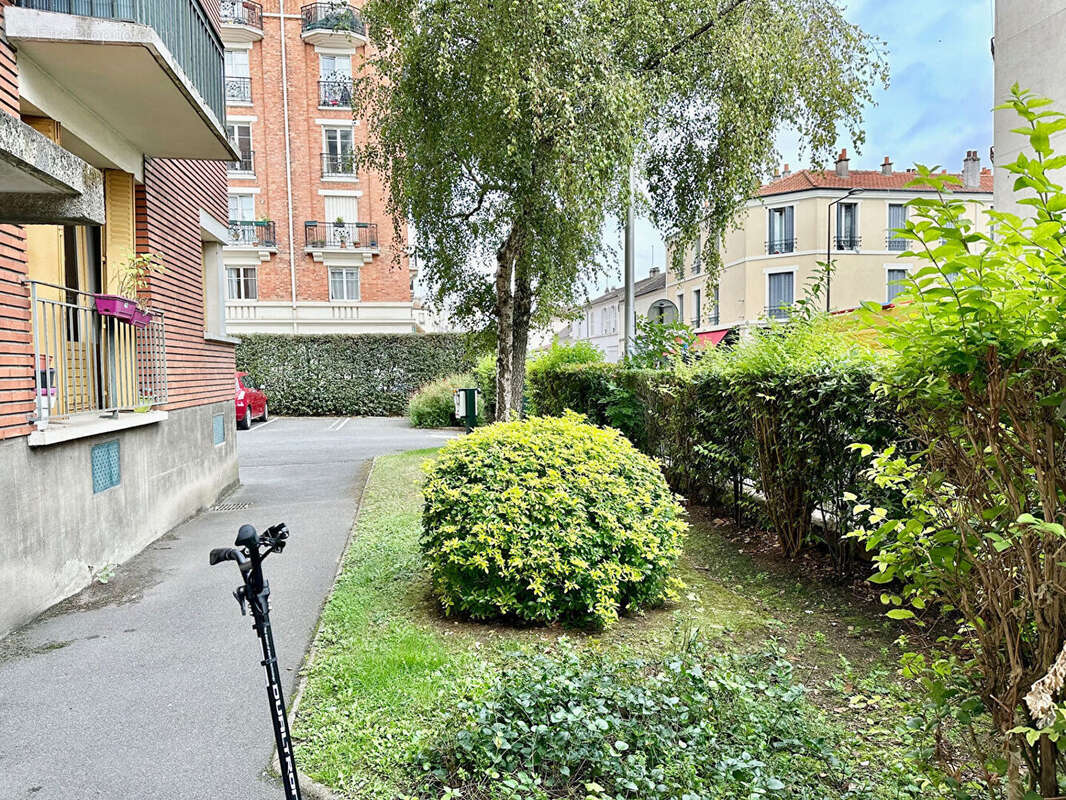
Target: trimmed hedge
[(365, 374)]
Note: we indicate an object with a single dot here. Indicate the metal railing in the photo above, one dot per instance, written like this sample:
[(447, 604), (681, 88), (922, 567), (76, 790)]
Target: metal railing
[(321, 235), (895, 243), (246, 163), (335, 93), (183, 25), (334, 16), (91, 362), (775, 246), (779, 312), (712, 318), (847, 242), (338, 164), (242, 12), (253, 233), (238, 89)]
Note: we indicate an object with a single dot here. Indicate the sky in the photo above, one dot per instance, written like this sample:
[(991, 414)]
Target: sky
[(937, 106)]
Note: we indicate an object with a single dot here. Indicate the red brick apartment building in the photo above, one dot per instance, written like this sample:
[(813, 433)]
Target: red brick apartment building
[(311, 247), (112, 143)]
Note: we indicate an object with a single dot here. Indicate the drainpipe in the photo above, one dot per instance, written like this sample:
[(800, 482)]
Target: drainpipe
[(288, 161)]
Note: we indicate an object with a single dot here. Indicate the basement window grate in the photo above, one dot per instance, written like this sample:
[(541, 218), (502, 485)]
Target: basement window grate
[(231, 506), (219, 423), (106, 469)]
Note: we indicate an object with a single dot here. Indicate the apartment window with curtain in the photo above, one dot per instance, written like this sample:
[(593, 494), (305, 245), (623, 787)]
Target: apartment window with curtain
[(334, 81), (697, 308), (339, 154), (238, 77), (697, 259), (782, 230), (344, 283), (781, 294), (897, 218), (241, 136), (847, 226), (681, 306), (242, 207), (242, 283), (714, 307), (895, 280)]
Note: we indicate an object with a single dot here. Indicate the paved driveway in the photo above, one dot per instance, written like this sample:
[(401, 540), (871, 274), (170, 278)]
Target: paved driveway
[(150, 687)]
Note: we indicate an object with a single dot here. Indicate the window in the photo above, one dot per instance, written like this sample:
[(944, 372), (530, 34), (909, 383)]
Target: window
[(105, 465), (714, 311), (334, 67), (218, 428), (237, 75), (237, 64), (897, 218), (240, 135), (782, 231), (896, 279), (344, 283), (697, 310), (334, 81), (338, 158), (847, 226), (242, 207), (681, 306), (242, 283), (697, 260), (780, 294)]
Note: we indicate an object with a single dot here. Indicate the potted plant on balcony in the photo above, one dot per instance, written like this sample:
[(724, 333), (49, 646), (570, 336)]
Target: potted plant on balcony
[(127, 304), (342, 231)]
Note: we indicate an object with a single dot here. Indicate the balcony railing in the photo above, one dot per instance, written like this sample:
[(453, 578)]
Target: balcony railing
[(184, 27), (246, 163), (335, 93), (712, 318), (355, 235), (847, 242), (779, 312), (332, 16), (336, 165), (88, 362), (896, 244), (238, 89), (242, 12), (252, 233), (775, 246)]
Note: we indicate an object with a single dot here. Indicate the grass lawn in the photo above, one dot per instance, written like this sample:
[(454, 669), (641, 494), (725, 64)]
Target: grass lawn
[(388, 668)]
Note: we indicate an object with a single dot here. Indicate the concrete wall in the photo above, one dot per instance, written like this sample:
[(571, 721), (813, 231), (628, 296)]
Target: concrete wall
[(57, 530), (1030, 37)]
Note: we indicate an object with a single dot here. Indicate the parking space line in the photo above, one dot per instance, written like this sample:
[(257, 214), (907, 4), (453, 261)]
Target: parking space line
[(262, 425), (336, 426)]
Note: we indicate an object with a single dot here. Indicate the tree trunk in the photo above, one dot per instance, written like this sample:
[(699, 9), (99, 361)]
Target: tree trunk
[(1049, 780), (1014, 770), (523, 306), (505, 327)]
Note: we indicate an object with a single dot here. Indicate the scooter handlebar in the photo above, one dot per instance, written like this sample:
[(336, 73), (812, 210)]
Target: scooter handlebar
[(220, 554)]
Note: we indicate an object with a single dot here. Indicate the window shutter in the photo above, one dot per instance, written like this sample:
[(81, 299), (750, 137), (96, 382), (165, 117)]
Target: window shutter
[(345, 208), (119, 230), (790, 230)]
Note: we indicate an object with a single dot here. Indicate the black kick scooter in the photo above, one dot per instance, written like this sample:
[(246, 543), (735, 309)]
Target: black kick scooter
[(251, 548)]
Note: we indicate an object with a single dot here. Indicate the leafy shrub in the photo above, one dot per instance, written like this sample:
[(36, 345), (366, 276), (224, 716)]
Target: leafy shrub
[(364, 374), (549, 519), (691, 725), (433, 406), (658, 345), (543, 363), (485, 376)]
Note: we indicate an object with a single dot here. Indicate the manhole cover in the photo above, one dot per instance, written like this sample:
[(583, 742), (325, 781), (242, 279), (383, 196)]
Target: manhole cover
[(231, 506)]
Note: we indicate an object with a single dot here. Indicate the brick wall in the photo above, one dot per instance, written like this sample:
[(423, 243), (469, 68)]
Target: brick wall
[(380, 280), (16, 358), (168, 224)]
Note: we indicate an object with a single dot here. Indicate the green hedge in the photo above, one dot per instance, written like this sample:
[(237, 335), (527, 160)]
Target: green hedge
[(348, 374)]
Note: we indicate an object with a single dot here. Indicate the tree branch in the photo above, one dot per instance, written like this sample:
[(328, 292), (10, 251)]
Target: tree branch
[(655, 61)]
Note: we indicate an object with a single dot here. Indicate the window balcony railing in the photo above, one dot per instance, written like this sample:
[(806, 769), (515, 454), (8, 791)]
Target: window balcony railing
[(847, 242), (183, 25), (238, 89), (712, 318), (332, 16), (246, 163), (253, 233), (779, 312), (896, 244), (337, 165), (89, 362), (242, 12), (335, 93), (775, 246), (333, 235)]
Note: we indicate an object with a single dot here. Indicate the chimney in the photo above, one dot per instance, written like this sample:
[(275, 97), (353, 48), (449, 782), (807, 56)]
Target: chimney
[(886, 167), (842, 164), (786, 172), (971, 170)]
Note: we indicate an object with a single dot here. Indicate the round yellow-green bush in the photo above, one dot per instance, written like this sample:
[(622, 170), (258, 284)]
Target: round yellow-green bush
[(549, 519)]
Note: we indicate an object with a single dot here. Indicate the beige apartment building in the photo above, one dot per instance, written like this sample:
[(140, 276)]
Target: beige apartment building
[(771, 257)]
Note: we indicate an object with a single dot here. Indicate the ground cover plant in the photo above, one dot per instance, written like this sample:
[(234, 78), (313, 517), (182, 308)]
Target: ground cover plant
[(391, 682), (549, 519)]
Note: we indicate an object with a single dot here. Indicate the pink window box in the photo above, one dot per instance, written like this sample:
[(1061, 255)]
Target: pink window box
[(113, 305)]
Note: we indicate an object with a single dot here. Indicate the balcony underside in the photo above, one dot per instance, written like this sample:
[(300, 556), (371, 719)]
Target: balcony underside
[(124, 73), (233, 31)]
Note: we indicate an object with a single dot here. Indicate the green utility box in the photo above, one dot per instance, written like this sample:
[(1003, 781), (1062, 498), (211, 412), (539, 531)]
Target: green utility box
[(466, 407)]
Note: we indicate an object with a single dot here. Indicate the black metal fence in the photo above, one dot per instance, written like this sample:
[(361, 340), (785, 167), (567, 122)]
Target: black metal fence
[(254, 233), (774, 246), (246, 163), (335, 93), (336, 165), (242, 12), (238, 89), (332, 16), (355, 235)]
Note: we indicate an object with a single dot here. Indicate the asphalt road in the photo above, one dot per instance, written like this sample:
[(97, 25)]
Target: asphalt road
[(150, 686)]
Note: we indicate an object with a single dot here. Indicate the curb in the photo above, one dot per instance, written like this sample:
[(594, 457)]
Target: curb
[(309, 787)]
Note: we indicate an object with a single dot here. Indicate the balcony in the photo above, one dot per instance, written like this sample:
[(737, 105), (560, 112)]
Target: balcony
[(121, 58), (335, 93), (320, 236), (253, 234), (242, 20), (777, 246), (245, 165), (847, 242), (89, 363), (338, 165), (238, 89), (896, 244), (332, 23)]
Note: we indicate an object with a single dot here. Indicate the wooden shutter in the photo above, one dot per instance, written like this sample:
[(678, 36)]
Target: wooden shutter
[(345, 208), (119, 230)]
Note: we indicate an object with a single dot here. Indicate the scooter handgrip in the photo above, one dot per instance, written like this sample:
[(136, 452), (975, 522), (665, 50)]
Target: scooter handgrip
[(220, 554)]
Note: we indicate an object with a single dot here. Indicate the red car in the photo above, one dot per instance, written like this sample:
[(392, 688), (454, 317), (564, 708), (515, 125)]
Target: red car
[(251, 402)]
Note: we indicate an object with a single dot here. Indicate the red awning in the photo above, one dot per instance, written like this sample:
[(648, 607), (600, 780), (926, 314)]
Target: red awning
[(712, 338)]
